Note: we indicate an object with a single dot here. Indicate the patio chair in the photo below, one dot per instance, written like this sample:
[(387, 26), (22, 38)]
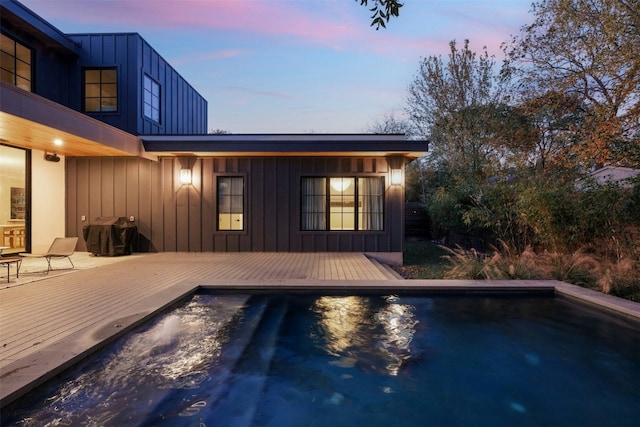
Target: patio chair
[(62, 247)]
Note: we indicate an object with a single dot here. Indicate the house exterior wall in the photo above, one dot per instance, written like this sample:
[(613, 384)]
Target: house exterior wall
[(52, 66), (182, 218), (47, 202), (182, 109)]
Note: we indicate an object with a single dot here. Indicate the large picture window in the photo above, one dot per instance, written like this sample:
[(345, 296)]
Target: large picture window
[(101, 90), (151, 98), (342, 203), (231, 203), (15, 63)]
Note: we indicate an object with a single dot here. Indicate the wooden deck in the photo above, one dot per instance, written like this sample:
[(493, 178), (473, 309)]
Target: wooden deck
[(49, 321), (38, 313)]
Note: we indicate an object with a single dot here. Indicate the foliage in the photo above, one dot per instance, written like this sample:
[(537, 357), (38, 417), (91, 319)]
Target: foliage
[(501, 263), (382, 10), (544, 212), (587, 49), (452, 102), (516, 265), (471, 264), (577, 268), (393, 125), (622, 279), (553, 120), (426, 260), (510, 149)]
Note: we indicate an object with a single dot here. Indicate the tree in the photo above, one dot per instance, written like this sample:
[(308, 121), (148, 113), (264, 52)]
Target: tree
[(553, 120), (392, 125), (382, 10), (454, 103), (589, 49)]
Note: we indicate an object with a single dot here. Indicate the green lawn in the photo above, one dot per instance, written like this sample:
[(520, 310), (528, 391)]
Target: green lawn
[(423, 260)]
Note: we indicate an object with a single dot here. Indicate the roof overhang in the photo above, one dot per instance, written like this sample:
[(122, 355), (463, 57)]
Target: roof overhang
[(22, 18), (270, 145), (31, 121)]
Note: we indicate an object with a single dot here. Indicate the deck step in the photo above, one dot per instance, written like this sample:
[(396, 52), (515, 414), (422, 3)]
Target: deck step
[(250, 375), (180, 404)]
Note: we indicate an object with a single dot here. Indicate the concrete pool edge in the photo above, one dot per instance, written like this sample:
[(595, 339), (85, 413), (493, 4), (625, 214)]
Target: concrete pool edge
[(26, 374)]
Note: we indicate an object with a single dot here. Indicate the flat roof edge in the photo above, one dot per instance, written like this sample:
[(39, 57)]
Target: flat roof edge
[(284, 143)]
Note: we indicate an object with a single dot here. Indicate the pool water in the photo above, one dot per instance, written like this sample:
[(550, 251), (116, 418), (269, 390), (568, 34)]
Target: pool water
[(368, 360)]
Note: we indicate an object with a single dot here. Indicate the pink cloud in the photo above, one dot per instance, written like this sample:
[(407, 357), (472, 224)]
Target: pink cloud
[(253, 16), (338, 25)]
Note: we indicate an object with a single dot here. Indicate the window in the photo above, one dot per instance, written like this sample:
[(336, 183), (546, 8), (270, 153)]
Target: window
[(231, 203), (342, 203), (15, 63), (151, 98), (101, 90)]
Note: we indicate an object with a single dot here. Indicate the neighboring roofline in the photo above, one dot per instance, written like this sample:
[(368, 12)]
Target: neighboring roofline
[(313, 144), (612, 167), (38, 25)]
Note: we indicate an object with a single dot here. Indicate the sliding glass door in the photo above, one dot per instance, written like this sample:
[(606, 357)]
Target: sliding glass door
[(13, 199)]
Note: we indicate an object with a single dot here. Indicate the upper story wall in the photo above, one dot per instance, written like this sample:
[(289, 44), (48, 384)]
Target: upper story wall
[(59, 61), (54, 57), (182, 110)]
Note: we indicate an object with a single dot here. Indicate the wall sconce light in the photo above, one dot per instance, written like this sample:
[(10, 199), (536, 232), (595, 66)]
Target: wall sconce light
[(185, 176), (396, 176), (396, 166)]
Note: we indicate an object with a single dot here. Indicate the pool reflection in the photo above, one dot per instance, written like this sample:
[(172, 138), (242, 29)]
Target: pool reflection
[(367, 334)]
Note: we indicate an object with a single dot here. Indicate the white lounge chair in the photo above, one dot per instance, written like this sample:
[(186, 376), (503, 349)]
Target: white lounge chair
[(62, 247)]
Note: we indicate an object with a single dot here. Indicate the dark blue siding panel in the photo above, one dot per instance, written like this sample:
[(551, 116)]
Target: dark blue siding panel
[(183, 109), (52, 68)]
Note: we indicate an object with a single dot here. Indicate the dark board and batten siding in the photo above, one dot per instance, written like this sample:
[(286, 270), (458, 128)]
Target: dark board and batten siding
[(182, 218), (182, 110)]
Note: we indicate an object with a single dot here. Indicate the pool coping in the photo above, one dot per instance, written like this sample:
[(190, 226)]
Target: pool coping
[(26, 374)]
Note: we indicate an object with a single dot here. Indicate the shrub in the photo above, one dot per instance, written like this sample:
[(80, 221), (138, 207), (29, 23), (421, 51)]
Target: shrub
[(576, 268), (470, 264), (621, 279), (516, 266)]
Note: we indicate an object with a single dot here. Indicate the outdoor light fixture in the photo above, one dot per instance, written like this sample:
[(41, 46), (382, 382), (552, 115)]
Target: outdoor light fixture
[(185, 176), (396, 176), (51, 157), (396, 164)]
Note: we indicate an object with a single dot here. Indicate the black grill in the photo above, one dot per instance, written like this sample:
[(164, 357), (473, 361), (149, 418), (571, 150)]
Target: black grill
[(110, 236)]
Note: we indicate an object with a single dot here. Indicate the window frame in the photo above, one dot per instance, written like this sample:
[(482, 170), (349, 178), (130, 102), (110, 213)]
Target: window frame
[(219, 211), (358, 209), (16, 60), (101, 93), (153, 106)]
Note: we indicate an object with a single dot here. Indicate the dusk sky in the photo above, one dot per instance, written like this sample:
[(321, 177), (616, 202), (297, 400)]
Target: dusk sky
[(295, 66)]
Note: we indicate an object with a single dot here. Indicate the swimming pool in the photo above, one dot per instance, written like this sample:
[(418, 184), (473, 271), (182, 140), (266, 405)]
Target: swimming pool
[(371, 359)]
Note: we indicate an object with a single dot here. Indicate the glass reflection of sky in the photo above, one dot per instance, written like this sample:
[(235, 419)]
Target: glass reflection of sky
[(362, 334)]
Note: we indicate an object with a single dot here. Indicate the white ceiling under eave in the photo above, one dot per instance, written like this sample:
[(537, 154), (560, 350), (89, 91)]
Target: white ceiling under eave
[(30, 121)]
